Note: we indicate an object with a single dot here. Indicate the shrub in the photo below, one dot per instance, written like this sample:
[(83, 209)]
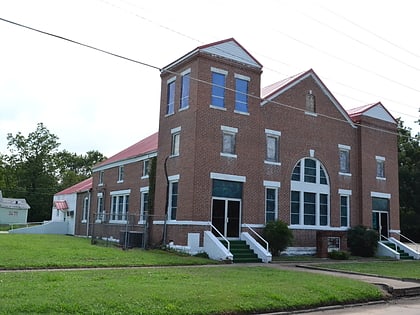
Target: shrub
[(362, 241), (339, 255), (278, 236)]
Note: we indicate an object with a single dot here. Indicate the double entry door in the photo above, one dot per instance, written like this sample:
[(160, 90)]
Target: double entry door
[(380, 223), (226, 213)]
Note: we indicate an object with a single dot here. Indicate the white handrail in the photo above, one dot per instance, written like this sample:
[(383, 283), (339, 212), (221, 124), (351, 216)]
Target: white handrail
[(410, 241), (221, 235), (259, 236)]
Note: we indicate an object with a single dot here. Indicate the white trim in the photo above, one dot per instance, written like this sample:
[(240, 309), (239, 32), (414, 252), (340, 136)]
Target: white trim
[(228, 155), (229, 129), (311, 114), (273, 132), (233, 178), (346, 192), (220, 71), (187, 71), (241, 112), (254, 226), (100, 194), (317, 227), (344, 147), (124, 162), (380, 178), (380, 195), (344, 174), (173, 222), (218, 107), (170, 80), (379, 158), (242, 77), (173, 177), (175, 130), (144, 189), (120, 192), (272, 163), (269, 183), (312, 153)]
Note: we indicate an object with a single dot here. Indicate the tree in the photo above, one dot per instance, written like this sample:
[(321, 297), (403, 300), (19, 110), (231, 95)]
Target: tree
[(32, 170), (409, 179)]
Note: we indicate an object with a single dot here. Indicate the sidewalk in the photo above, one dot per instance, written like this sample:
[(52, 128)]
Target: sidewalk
[(395, 287)]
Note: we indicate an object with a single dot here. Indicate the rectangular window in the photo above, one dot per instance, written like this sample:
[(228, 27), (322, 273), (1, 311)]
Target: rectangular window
[(144, 203), (295, 207), (173, 200), (120, 173), (185, 90), (344, 156), (380, 204), (119, 207), (241, 93), (272, 145), (380, 167), (146, 168), (270, 204), (101, 177), (344, 211), (85, 209), (296, 172), (310, 171), (218, 88), (309, 206), (100, 207), (323, 209), (176, 138), (170, 97), (228, 141)]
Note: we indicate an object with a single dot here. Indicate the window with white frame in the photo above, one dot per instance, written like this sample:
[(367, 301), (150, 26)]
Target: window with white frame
[(344, 158), (241, 93), (380, 167), (146, 168), (218, 78), (170, 96), (85, 209), (228, 141), (119, 206), (144, 203), (310, 193), (120, 173), (185, 89), (101, 178), (176, 138), (100, 208), (272, 146), (271, 200), (310, 102), (344, 207), (173, 197)]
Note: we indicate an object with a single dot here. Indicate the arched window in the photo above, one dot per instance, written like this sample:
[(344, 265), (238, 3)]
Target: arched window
[(310, 194)]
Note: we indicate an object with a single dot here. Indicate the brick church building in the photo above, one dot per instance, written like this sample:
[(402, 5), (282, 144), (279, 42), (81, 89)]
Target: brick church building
[(232, 156)]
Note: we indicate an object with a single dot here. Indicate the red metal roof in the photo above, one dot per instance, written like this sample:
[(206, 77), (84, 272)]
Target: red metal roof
[(61, 205), (77, 188), (147, 145)]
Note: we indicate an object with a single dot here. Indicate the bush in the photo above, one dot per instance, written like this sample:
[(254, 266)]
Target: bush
[(339, 255), (278, 236), (362, 241)]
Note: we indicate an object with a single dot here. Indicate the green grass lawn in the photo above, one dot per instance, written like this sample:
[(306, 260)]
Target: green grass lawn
[(393, 268), (188, 289)]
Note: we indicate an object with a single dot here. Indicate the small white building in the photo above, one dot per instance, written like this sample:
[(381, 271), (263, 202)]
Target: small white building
[(13, 210)]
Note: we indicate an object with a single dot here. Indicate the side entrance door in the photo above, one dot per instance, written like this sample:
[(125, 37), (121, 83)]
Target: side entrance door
[(380, 223), (226, 213)]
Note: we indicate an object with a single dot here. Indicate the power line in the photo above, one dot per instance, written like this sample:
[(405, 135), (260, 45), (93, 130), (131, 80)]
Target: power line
[(178, 73)]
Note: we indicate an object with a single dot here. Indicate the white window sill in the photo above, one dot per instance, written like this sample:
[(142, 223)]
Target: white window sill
[(311, 114), (228, 155), (241, 113), (145, 177), (141, 222), (118, 221), (171, 114), (100, 184), (381, 178), (120, 181), (272, 163), (184, 108), (84, 221), (344, 174), (173, 156), (218, 107), (98, 221)]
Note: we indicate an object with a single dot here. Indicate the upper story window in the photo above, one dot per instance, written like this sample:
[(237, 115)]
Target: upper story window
[(218, 88), (344, 156), (241, 93), (146, 168), (176, 138), (310, 102), (228, 141), (272, 146), (185, 90), (101, 178), (170, 97), (121, 173), (380, 167)]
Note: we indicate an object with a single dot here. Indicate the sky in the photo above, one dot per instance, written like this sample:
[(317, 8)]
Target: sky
[(363, 51)]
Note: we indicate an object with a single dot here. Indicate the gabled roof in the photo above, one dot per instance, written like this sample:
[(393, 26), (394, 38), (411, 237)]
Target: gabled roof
[(227, 48), (145, 146), (274, 90), (77, 188), (375, 110)]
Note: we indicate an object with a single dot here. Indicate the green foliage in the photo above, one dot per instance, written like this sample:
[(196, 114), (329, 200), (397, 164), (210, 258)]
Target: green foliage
[(339, 255), (362, 241), (278, 236), (152, 184)]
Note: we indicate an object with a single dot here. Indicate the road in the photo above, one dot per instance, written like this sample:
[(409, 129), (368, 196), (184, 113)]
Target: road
[(406, 306)]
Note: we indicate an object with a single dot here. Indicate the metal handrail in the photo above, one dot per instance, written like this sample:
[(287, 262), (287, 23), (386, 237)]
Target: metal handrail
[(259, 236), (410, 241), (221, 235)]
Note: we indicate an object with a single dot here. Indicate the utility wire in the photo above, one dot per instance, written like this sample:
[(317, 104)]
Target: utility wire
[(196, 79)]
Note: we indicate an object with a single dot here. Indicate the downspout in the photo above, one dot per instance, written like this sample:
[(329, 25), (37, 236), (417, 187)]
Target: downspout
[(88, 212), (166, 202)]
